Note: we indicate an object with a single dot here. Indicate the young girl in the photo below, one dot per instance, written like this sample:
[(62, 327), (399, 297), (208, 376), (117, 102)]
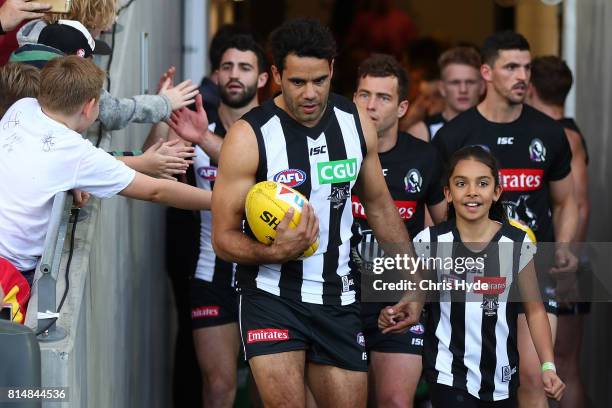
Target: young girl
[(470, 353)]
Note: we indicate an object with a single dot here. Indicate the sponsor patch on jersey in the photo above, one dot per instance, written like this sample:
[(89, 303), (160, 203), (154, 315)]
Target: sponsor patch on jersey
[(405, 208), (417, 329), (521, 179), (537, 151), (338, 171), (205, 311), (290, 177), (413, 181), (266, 335), (490, 285), (361, 339), (207, 173)]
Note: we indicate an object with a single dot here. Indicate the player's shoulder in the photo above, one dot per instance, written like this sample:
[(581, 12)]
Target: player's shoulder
[(461, 124), (544, 122), (260, 115), (342, 103), (414, 144)]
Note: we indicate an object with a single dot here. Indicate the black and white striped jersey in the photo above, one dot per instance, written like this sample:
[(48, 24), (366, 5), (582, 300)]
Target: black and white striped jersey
[(210, 268), (323, 164), (471, 340)]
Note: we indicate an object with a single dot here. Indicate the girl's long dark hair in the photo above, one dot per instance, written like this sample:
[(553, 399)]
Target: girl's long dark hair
[(497, 211)]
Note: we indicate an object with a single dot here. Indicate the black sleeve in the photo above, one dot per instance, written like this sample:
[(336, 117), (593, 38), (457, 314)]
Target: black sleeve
[(435, 193), (562, 161), (441, 144)]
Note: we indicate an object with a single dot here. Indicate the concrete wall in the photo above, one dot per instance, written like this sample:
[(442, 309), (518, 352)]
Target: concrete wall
[(118, 312)]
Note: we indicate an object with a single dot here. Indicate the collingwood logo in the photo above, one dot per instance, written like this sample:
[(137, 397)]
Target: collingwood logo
[(413, 181), (537, 151)]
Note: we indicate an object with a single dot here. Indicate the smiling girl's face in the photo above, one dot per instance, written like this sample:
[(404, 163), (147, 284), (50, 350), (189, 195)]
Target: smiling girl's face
[(472, 190)]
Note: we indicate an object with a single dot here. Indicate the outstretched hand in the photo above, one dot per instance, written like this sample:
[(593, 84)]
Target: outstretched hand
[(189, 125), (181, 95), (167, 159)]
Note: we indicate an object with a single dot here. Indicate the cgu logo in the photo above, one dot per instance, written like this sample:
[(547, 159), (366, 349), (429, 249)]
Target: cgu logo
[(208, 173), (338, 171), (521, 179), (406, 209), (290, 177)]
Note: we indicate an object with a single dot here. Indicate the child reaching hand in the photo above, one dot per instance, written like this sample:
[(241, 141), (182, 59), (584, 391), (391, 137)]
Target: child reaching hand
[(470, 352)]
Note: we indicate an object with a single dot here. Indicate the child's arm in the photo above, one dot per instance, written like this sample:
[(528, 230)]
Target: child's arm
[(162, 160), (539, 328), (167, 192)]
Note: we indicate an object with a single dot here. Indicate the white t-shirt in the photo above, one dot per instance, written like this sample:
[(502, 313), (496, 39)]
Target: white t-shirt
[(40, 157)]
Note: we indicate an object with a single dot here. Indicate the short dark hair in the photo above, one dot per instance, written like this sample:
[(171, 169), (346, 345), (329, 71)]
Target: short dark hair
[(223, 34), (245, 42), (304, 38), (384, 65), (503, 40), (552, 79), (459, 55)]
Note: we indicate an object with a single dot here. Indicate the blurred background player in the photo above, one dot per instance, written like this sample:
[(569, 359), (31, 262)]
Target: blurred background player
[(412, 171), (214, 301), (460, 85), (551, 81), (535, 172)]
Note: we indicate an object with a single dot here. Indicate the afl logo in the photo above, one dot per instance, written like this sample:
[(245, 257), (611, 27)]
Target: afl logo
[(537, 151), (413, 181), (417, 329), (290, 177), (208, 173)]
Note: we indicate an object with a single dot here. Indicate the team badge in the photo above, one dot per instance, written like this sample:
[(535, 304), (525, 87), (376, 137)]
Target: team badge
[(81, 53), (537, 151), (339, 195), (413, 181), (490, 304), (361, 339)]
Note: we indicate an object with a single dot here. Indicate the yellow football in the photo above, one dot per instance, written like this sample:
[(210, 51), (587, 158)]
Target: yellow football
[(266, 205)]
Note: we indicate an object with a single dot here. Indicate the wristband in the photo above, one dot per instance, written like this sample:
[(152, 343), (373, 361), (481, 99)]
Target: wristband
[(549, 366)]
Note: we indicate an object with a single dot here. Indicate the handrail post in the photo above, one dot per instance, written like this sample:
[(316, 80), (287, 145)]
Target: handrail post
[(49, 267)]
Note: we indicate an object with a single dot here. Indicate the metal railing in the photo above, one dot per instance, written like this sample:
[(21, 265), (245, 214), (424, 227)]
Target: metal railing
[(49, 268)]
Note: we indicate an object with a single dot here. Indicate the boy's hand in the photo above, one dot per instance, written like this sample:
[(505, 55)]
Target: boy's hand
[(161, 165), (553, 386), (166, 78), (80, 198), (181, 95), (176, 148)]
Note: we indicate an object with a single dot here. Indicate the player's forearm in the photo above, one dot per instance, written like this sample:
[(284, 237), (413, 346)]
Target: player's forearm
[(384, 219), (565, 220), (234, 246), (539, 328)]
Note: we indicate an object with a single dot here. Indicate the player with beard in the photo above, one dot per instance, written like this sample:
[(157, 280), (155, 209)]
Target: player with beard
[(551, 81), (535, 173), (412, 171), (214, 305), (460, 85)]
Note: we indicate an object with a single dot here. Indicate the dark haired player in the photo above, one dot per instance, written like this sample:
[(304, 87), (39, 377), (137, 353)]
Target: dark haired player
[(535, 172), (214, 301), (460, 85), (551, 81), (412, 171), (299, 318)]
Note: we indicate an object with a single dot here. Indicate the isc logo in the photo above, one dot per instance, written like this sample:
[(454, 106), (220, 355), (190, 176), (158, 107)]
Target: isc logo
[(318, 150), (269, 219), (505, 140)]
